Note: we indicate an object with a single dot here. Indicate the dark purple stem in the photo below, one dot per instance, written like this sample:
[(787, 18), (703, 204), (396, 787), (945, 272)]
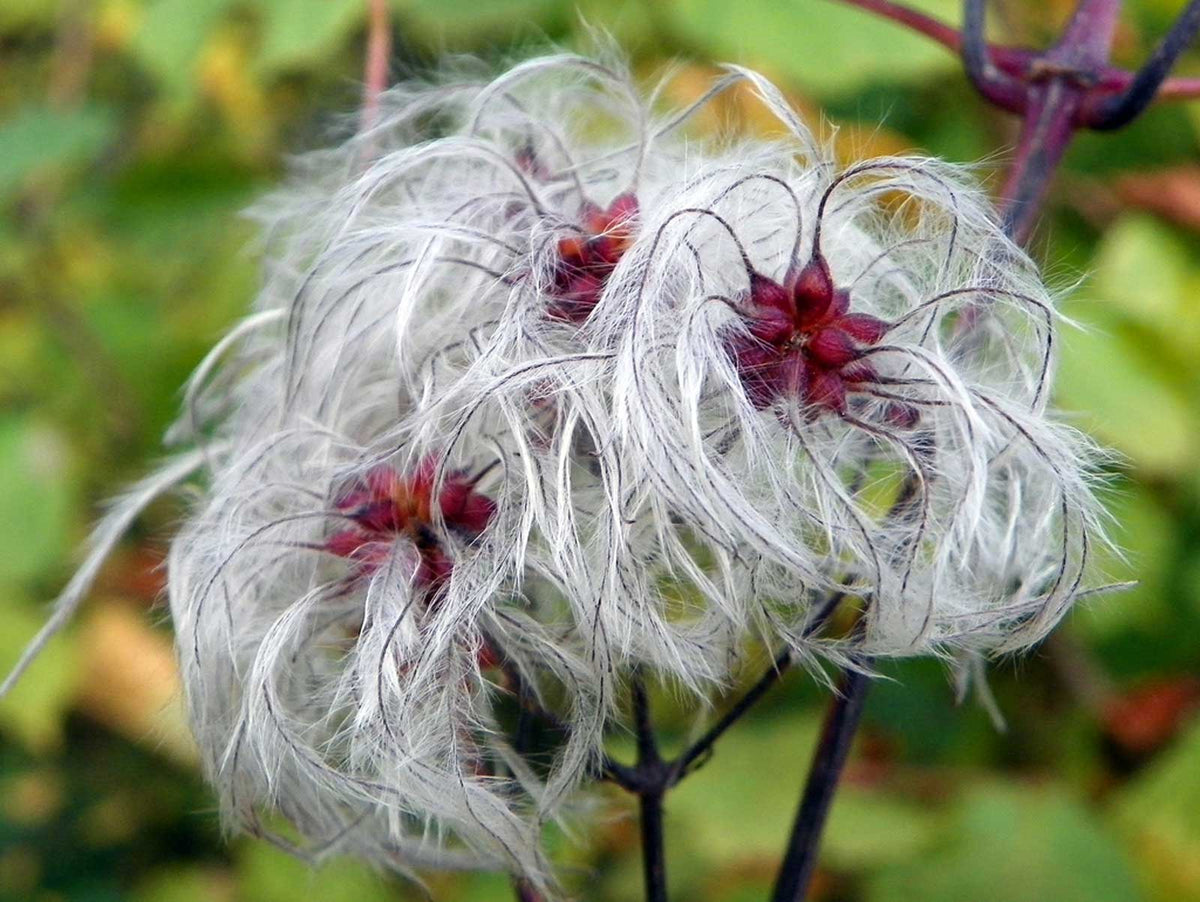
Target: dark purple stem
[(524, 891), (837, 735), (1000, 87), (697, 751), (1119, 111), (1087, 40), (653, 774), (654, 860), (1046, 132), (1057, 88)]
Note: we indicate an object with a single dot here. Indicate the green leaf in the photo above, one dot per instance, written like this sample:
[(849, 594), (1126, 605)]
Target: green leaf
[(1125, 393), (1147, 270), (192, 883), (740, 805), (823, 47), (1015, 845), (268, 875), (1133, 371), (35, 512), (35, 499), (169, 42), (914, 706), (301, 33), (1146, 534), (468, 23), (868, 829), (38, 138), (17, 14), (1160, 814)]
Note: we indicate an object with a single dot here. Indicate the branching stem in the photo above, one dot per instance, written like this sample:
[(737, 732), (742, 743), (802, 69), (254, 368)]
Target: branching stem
[(1057, 91), (653, 776)]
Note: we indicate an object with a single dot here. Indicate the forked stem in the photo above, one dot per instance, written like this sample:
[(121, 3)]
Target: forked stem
[(651, 768)]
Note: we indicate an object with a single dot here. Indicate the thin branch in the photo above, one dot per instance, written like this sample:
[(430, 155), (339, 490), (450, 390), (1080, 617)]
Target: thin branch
[(1013, 61), (379, 51), (685, 763), (841, 723), (73, 55), (647, 747), (998, 86), (974, 43), (996, 72), (1179, 89), (935, 29), (1123, 109), (1018, 63)]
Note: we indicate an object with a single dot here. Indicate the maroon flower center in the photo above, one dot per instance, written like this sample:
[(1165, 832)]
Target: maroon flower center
[(803, 341), (386, 505), (587, 259)]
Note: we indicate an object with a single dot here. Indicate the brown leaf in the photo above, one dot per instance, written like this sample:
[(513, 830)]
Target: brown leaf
[(1173, 194), (135, 573)]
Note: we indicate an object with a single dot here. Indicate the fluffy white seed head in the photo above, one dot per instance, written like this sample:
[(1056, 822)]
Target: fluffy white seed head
[(536, 390), (882, 433)]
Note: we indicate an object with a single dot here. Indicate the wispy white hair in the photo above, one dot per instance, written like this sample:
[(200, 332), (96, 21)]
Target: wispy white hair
[(485, 435)]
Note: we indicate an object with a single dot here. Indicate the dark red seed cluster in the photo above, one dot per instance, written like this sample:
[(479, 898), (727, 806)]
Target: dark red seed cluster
[(586, 260), (386, 505), (803, 341)]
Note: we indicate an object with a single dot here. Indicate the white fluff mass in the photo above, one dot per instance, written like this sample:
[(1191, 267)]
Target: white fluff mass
[(541, 386)]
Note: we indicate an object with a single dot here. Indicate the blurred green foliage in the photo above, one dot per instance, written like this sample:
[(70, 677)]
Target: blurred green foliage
[(132, 132)]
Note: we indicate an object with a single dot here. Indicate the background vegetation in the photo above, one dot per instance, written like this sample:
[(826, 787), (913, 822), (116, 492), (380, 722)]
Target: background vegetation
[(131, 134)]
